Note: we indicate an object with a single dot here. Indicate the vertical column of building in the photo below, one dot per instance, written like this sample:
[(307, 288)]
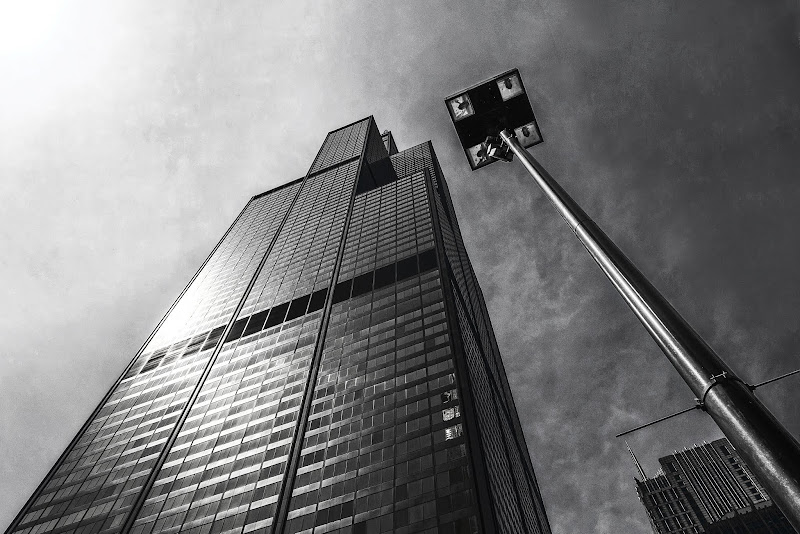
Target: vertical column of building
[(383, 448), (95, 484), (715, 477), (227, 467), (517, 502), (669, 508)]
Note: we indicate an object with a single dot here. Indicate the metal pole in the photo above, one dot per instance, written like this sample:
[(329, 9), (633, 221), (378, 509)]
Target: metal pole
[(766, 446)]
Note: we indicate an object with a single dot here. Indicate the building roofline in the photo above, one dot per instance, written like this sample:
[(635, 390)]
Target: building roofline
[(287, 184), (352, 123)]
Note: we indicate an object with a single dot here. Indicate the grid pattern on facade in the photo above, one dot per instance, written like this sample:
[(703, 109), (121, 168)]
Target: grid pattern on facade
[(669, 509), (385, 417), (225, 470), (388, 223), (227, 466), (467, 284), (521, 483), (213, 296), (413, 160), (384, 449), (379, 440), (490, 386), (716, 478), (304, 254), (104, 472), (505, 499), (351, 287), (422, 157), (709, 489), (520, 480), (479, 312), (342, 145), (466, 278)]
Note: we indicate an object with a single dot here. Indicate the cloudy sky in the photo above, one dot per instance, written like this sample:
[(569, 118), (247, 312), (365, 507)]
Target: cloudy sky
[(132, 133)]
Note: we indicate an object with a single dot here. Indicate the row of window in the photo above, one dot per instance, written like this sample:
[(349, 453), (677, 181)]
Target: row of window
[(508, 483), (341, 145), (104, 472), (211, 298), (240, 446), (255, 511), (374, 421), (231, 454), (298, 307), (304, 254), (387, 223), (271, 317)]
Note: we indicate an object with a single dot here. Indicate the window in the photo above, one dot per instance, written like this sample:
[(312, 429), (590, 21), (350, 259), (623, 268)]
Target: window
[(450, 413), (453, 432)]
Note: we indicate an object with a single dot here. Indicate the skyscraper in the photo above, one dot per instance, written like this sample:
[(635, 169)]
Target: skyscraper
[(331, 367), (709, 489)]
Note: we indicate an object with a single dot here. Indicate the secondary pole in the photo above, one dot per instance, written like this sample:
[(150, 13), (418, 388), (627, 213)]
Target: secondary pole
[(766, 446)]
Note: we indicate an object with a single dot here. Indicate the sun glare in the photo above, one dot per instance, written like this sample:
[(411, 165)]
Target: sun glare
[(26, 26), (52, 52)]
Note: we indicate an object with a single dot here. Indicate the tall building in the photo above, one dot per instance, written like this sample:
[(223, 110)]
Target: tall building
[(708, 488), (331, 367)]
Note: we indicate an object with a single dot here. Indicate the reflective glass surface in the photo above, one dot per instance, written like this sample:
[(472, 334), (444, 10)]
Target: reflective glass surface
[(98, 481), (341, 145), (383, 449), (211, 299), (226, 468), (331, 368)]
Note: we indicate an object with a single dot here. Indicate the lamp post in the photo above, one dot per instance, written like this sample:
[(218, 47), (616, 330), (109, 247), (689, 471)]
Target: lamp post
[(766, 446)]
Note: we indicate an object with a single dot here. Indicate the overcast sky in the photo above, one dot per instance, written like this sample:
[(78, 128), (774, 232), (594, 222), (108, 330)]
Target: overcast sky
[(133, 132)]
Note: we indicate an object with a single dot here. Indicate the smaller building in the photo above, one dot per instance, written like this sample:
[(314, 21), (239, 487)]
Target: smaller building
[(708, 488)]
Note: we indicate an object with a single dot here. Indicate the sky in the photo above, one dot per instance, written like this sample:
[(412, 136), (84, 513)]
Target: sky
[(133, 132)]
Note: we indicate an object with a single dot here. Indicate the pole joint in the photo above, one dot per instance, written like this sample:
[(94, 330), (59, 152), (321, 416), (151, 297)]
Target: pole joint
[(714, 380)]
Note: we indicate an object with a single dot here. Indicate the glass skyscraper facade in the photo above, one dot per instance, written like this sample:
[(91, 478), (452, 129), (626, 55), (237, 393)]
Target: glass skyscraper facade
[(331, 368)]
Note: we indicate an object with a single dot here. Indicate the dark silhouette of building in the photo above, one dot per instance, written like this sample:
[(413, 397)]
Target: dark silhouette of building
[(331, 368), (708, 489)]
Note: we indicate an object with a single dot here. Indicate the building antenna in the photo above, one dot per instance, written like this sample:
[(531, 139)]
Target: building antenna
[(636, 461)]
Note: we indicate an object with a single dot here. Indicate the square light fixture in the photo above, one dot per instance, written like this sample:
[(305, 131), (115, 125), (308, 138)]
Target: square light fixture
[(484, 110)]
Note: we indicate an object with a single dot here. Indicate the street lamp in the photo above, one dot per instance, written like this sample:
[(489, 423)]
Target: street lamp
[(495, 123), (482, 111)]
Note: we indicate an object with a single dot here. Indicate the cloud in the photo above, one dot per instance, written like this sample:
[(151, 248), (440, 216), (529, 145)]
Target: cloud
[(131, 136)]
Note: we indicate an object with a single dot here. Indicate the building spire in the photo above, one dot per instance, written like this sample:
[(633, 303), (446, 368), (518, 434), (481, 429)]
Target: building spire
[(636, 461)]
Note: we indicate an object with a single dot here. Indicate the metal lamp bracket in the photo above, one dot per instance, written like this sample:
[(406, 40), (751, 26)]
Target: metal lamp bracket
[(714, 380), (700, 403), (497, 149)]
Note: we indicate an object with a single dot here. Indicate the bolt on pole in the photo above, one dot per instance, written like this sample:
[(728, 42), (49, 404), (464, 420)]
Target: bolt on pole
[(766, 446)]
